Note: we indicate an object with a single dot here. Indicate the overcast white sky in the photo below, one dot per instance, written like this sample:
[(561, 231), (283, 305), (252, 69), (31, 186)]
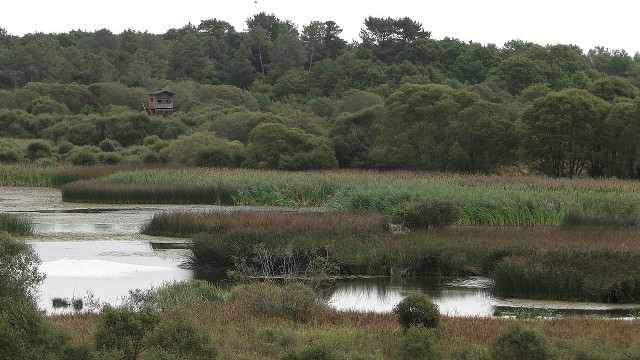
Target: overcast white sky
[(587, 23)]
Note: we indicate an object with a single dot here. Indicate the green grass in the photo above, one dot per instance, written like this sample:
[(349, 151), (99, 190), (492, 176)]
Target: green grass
[(27, 175), (484, 200)]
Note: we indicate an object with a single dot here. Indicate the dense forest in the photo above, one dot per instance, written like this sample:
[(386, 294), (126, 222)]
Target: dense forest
[(272, 96)]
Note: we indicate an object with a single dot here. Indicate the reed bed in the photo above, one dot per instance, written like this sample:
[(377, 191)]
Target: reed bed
[(16, 224), (576, 264), (27, 175), (484, 200), (239, 334)]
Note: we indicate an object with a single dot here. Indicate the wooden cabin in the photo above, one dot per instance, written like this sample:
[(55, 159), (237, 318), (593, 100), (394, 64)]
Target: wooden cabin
[(160, 103)]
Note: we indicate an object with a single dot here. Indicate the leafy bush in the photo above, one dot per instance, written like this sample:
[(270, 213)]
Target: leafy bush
[(178, 335), (428, 214), (125, 331), (418, 343), (84, 158), (109, 158), (38, 149), (417, 309), (19, 274), (108, 145), (64, 147), (518, 341)]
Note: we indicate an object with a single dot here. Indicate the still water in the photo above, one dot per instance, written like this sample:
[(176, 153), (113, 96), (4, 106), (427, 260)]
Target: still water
[(108, 270)]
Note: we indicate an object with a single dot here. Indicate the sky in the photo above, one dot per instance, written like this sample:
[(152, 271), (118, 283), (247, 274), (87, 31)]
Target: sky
[(612, 24)]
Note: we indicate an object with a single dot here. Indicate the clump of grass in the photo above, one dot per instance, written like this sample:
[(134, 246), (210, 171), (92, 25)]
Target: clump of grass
[(60, 302), (16, 224), (174, 294), (294, 301)]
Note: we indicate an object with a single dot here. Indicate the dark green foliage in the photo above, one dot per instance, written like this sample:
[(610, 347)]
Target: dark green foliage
[(108, 145), (610, 87), (38, 149), (429, 213), (125, 331), (419, 343), (417, 309), (84, 158), (19, 274), (562, 131), (178, 335), (519, 341)]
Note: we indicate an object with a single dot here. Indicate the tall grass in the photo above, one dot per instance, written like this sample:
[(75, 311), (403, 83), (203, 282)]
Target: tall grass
[(484, 200), (27, 175), (16, 224), (531, 262), (238, 333)]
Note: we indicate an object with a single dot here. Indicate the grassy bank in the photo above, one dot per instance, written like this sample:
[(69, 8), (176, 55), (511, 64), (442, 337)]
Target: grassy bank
[(237, 333), (484, 200), (561, 263)]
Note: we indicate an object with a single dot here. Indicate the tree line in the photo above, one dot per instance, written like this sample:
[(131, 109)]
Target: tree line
[(274, 97)]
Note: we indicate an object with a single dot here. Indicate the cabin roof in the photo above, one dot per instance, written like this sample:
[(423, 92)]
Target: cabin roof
[(161, 92)]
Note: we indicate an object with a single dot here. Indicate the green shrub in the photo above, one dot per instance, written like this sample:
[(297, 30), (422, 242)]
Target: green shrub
[(178, 335), (213, 156), (418, 343), (84, 158), (38, 149), (125, 331), (518, 341), (417, 309), (64, 147), (109, 158), (428, 214), (19, 276), (108, 145)]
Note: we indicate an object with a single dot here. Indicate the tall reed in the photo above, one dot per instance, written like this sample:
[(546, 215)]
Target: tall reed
[(16, 224), (484, 200)]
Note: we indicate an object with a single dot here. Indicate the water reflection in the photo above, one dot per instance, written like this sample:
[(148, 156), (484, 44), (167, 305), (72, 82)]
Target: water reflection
[(84, 228), (382, 294), (106, 269)]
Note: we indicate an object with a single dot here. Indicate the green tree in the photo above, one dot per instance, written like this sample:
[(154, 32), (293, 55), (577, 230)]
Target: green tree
[(485, 137), (562, 131), (610, 87), (276, 146), (416, 130), (620, 152), (519, 72)]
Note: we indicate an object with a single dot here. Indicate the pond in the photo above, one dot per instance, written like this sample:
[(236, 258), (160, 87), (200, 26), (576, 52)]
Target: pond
[(95, 252)]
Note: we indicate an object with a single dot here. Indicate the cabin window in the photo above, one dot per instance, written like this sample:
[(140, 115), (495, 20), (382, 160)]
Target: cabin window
[(151, 99), (159, 101)]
